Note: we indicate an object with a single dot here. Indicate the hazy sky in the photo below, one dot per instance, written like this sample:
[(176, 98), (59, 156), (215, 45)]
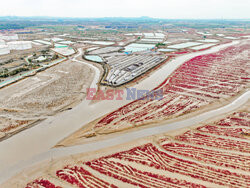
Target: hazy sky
[(198, 9)]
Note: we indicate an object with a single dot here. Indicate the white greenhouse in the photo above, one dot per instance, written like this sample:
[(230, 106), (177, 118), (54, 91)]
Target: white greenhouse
[(4, 49), (9, 37), (19, 45), (2, 42)]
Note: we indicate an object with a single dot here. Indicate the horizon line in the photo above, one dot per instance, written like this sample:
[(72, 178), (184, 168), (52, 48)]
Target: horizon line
[(126, 17)]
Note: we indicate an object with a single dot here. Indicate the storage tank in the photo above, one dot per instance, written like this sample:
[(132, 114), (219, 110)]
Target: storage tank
[(19, 45), (4, 49)]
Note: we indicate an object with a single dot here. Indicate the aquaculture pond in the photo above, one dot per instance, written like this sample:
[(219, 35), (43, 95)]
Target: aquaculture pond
[(95, 58)]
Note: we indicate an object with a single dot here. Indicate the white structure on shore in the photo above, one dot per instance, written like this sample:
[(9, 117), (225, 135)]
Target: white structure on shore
[(2, 42), (9, 37), (4, 49), (19, 45)]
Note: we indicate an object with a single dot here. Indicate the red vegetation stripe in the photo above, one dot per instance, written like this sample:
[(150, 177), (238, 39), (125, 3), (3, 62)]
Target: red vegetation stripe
[(213, 141), (230, 132), (242, 115), (209, 156), (39, 183), (234, 121), (131, 175), (149, 155), (82, 178)]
